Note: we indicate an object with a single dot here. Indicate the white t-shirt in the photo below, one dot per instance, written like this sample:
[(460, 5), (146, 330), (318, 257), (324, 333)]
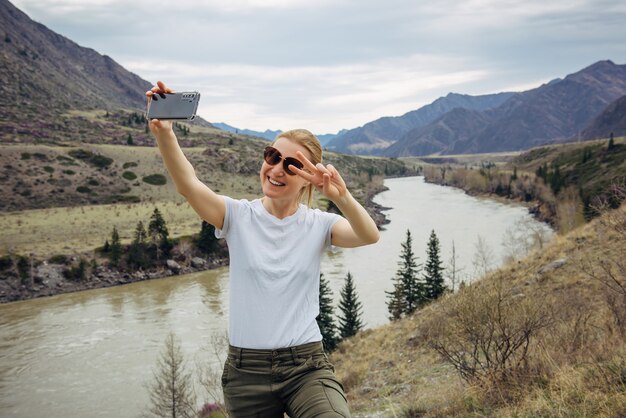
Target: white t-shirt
[(274, 273)]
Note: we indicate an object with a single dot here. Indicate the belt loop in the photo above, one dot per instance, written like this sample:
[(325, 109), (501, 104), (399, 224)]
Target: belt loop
[(239, 355), (294, 355)]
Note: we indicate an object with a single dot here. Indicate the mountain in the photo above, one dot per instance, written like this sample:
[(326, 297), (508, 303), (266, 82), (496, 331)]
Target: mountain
[(44, 70), (325, 139), (271, 135), (612, 119), (553, 112), (267, 134), (46, 75), (442, 133), (375, 136)]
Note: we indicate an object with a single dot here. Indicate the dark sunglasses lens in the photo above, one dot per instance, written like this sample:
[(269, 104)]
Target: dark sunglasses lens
[(272, 156), (292, 161)]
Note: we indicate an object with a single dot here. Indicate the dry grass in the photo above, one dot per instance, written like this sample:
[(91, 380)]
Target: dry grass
[(575, 366)]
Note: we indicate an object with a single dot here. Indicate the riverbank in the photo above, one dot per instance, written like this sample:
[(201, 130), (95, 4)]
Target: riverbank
[(536, 208), (41, 278)]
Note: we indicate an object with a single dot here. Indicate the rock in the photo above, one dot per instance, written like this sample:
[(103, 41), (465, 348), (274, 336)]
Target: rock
[(49, 274), (198, 262), (173, 266), (552, 266)]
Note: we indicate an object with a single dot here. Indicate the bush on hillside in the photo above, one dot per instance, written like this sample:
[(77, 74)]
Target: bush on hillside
[(486, 331), (155, 179)]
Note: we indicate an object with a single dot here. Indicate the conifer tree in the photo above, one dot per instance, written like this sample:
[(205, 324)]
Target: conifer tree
[(138, 251), (115, 249), (206, 242), (171, 392), (394, 304), (611, 142), (433, 276), (157, 229), (351, 310), (325, 319), (408, 293)]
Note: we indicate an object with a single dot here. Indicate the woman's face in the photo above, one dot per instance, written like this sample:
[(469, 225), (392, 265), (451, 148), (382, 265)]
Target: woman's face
[(275, 181)]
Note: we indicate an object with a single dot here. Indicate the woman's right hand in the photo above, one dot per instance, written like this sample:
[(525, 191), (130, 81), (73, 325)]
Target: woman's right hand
[(158, 127)]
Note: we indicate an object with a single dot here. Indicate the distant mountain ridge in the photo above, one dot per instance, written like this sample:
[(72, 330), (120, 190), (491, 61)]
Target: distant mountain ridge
[(373, 137), (611, 120), (267, 134), (554, 112), (271, 135)]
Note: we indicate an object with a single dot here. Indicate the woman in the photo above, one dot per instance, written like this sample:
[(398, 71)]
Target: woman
[(276, 362)]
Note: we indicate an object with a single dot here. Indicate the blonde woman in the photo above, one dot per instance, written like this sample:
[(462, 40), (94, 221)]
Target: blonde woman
[(276, 362)]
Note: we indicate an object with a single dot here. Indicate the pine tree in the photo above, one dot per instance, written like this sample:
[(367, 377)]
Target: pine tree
[(611, 142), (325, 318), (138, 250), (171, 393), (350, 321), (159, 235), (408, 293), (433, 276), (394, 304), (115, 249), (206, 242), (129, 139)]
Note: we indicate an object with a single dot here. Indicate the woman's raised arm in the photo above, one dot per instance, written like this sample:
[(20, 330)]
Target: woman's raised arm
[(208, 204)]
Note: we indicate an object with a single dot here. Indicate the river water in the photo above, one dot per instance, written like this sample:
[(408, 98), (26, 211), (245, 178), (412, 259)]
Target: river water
[(92, 353)]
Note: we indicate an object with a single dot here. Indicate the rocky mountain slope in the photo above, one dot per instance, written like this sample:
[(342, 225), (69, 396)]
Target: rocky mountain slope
[(611, 120), (375, 136)]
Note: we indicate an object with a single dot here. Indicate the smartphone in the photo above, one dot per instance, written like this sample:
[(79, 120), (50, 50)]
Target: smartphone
[(174, 106)]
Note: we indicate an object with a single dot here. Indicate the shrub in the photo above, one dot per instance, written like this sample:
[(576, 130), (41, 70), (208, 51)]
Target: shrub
[(69, 172), (486, 331), (101, 161), (26, 155), (155, 179), (83, 189), (93, 182), (58, 259), (129, 175), (129, 164), (121, 199), (48, 169), (6, 262), (81, 154)]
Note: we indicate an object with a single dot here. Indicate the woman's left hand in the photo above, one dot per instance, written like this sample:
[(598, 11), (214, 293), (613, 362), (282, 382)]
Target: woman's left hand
[(325, 179)]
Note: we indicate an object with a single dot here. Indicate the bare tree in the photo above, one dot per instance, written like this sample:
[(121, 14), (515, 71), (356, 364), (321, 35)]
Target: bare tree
[(210, 370), (453, 272), (171, 392), (524, 236), (483, 257)]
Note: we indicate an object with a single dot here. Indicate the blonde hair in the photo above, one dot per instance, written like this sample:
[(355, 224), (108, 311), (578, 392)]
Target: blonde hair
[(310, 142)]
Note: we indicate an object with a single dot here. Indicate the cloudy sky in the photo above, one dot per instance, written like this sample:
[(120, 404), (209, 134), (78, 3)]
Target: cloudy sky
[(332, 64)]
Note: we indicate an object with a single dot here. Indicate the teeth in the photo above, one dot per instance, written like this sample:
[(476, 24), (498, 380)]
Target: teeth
[(275, 183)]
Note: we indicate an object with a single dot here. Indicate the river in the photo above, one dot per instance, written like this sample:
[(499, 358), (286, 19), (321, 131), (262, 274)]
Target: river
[(91, 353)]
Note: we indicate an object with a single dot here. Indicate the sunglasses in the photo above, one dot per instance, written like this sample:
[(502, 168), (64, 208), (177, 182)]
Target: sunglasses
[(272, 156)]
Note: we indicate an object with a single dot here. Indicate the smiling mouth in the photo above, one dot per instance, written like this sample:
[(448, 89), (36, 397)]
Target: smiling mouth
[(274, 183)]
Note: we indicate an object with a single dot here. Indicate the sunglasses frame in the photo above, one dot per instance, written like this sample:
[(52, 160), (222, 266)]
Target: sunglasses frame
[(272, 157)]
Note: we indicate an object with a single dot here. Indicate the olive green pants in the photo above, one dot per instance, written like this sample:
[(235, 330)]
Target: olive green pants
[(267, 383)]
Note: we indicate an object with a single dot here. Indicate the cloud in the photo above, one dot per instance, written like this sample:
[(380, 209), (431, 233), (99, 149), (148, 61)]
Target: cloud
[(328, 98), (337, 64)]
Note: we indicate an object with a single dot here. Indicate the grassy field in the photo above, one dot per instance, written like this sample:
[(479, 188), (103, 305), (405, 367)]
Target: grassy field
[(67, 199)]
